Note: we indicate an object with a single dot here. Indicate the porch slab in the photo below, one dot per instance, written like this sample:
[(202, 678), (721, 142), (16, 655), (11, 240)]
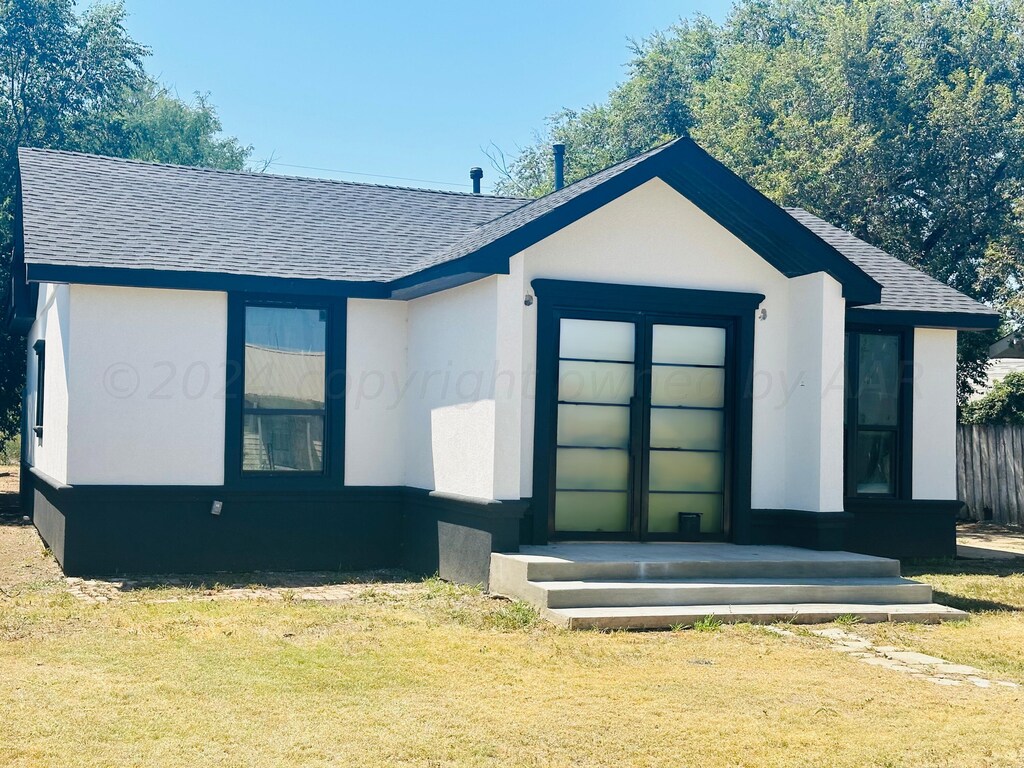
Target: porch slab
[(627, 551), (627, 560)]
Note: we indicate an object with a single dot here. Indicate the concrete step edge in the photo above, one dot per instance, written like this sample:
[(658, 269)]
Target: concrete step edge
[(555, 571), (839, 581), (583, 595), (664, 617)]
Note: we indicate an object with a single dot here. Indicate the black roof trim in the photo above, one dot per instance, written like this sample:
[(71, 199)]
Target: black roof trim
[(493, 257), (959, 321), (763, 226), (202, 281)]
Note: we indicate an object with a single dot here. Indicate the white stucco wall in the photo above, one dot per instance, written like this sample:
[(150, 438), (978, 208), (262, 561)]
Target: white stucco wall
[(147, 383), (468, 382), (441, 388), (449, 407), (815, 393), (654, 236), (49, 454), (934, 431), (376, 385)]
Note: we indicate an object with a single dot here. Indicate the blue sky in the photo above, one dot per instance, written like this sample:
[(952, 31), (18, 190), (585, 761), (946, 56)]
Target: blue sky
[(405, 89)]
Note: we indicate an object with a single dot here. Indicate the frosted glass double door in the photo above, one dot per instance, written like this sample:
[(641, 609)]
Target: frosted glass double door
[(641, 427)]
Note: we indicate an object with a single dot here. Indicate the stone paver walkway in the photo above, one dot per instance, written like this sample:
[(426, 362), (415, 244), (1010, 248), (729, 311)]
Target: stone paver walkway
[(327, 588), (922, 666)]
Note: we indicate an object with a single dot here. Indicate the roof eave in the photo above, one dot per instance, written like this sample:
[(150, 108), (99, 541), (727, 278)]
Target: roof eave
[(202, 281), (762, 225), (957, 321), (493, 258), (750, 216), (22, 296)]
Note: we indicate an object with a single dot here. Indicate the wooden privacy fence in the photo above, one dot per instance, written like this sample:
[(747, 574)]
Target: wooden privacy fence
[(990, 471)]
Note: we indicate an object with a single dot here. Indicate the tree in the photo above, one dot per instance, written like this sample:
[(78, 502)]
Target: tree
[(1004, 404), (76, 81), (901, 121), (161, 128)]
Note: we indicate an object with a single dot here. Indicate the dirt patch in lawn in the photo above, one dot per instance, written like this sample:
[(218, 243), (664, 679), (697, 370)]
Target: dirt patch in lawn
[(8, 479), (989, 540), (9, 508), (25, 564)]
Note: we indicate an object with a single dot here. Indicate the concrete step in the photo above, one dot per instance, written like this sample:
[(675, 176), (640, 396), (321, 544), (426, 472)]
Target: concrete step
[(592, 594), (668, 616), (658, 585), (619, 562)]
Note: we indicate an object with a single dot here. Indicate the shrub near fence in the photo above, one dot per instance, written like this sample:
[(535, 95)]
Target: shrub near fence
[(990, 471)]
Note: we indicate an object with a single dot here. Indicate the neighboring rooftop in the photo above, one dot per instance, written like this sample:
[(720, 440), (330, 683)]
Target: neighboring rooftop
[(96, 212), (1010, 346)]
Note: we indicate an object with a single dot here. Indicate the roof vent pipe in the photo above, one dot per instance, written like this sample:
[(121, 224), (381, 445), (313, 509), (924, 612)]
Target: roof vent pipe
[(476, 174), (559, 150)]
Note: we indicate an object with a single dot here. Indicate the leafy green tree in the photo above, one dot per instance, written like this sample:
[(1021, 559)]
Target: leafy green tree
[(161, 128), (1003, 404), (899, 120), (76, 81)]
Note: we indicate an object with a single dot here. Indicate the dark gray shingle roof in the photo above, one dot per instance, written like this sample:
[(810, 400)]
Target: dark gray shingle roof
[(904, 288), (92, 211)]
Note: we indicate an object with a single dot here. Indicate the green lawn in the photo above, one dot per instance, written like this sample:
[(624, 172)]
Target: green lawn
[(436, 675)]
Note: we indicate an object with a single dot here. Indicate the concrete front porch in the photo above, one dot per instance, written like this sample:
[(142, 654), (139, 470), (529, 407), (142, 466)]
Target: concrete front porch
[(658, 585)]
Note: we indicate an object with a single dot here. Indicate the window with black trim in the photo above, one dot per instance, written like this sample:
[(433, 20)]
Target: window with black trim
[(284, 389), (40, 350), (874, 415)]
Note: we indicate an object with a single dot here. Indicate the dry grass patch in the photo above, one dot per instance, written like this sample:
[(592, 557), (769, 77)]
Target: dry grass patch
[(406, 683), (440, 675), (992, 640), (433, 677), (25, 563)]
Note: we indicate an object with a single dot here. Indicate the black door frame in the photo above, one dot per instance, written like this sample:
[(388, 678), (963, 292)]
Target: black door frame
[(735, 310)]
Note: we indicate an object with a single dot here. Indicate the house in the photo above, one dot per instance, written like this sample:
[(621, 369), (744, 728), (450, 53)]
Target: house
[(237, 371), (1005, 356)]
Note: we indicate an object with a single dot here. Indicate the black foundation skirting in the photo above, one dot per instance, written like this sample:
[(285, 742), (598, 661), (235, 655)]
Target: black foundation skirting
[(455, 535), (108, 530), (799, 528), (886, 527), (903, 529)]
